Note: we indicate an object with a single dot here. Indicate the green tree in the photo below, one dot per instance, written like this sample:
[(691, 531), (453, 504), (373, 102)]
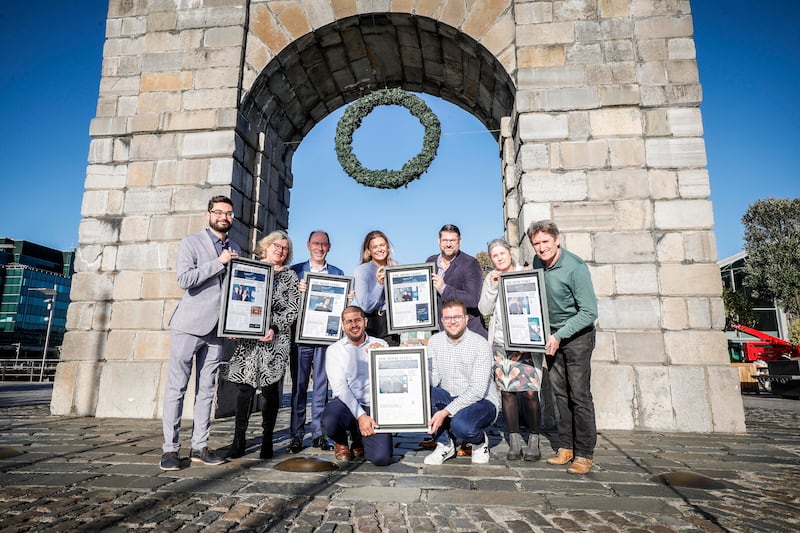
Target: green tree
[(485, 262), (739, 308), (772, 242)]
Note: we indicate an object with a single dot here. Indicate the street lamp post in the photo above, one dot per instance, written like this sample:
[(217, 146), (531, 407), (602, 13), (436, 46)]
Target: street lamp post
[(51, 305)]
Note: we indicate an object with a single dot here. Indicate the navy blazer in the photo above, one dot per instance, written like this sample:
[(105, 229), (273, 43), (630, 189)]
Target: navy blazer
[(300, 268), (463, 281)]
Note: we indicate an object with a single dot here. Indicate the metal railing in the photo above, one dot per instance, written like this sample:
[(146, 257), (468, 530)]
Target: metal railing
[(27, 370)]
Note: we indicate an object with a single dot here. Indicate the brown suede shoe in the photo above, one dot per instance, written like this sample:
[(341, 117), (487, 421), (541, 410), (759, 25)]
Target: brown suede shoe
[(341, 452), (358, 451), (562, 457), (581, 465)]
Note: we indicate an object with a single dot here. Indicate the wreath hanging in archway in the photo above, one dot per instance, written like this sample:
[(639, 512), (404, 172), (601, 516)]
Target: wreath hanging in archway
[(415, 167)]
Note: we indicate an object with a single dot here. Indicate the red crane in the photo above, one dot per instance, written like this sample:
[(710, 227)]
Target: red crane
[(767, 348)]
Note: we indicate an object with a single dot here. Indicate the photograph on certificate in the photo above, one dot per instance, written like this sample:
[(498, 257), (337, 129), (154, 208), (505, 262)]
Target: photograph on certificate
[(399, 390), (324, 299), (410, 298), (246, 300), (524, 309)]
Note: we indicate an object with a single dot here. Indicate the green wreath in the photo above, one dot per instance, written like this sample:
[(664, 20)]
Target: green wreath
[(387, 179)]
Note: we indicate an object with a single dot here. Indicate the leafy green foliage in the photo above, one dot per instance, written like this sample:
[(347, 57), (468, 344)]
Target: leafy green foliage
[(484, 261), (415, 167), (794, 332), (772, 242), (739, 308)]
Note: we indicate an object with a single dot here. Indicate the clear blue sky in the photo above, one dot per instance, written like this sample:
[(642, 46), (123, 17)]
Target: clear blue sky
[(749, 59)]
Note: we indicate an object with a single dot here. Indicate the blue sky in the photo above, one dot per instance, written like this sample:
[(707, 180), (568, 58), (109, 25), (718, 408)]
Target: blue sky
[(749, 60)]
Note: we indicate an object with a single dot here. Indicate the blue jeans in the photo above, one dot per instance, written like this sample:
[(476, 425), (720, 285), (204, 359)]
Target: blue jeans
[(570, 376), (301, 361), (337, 420), (466, 425)]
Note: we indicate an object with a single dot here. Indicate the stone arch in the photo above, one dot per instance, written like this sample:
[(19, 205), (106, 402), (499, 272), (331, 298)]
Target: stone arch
[(598, 106)]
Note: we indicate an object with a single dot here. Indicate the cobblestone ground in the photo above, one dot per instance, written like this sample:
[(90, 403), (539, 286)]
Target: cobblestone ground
[(89, 474)]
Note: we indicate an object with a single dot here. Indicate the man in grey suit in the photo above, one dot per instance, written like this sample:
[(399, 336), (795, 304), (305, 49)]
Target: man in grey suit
[(202, 260)]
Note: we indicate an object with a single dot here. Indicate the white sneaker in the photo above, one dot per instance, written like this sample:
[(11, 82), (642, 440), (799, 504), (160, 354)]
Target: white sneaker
[(480, 452), (441, 453)]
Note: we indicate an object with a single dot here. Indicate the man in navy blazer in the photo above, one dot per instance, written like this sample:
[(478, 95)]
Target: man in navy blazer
[(305, 357), (458, 277), (201, 264)]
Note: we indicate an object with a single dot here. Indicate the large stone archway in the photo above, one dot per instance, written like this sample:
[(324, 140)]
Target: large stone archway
[(597, 103)]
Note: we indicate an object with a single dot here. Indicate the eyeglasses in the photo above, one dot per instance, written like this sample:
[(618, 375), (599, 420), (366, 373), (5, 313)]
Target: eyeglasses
[(219, 213), (353, 321), (452, 318), (449, 241), (280, 247)]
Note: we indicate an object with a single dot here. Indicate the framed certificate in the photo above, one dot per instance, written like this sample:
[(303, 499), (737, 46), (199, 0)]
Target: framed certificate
[(410, 298), (246, 299), (399, 390), (523, 305), (320, 318)]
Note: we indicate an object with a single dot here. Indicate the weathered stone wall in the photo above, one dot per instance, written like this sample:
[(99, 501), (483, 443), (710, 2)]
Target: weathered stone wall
[(597, 101)]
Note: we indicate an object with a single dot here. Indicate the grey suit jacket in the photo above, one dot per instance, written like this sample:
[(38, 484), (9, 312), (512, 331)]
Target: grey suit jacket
[(199, 274)]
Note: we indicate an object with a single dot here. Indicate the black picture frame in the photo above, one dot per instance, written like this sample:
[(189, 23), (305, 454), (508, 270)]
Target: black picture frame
[(246, 299), (400, 394), (320, 317), (523, 303), (411, 299)]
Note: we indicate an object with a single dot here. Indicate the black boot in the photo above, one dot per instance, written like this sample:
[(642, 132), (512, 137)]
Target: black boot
[(266, 446), (244, 400), (269, 415)]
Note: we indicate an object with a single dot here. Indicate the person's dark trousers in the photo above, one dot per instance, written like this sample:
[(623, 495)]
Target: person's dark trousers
[(337, 420), (269, 415), (468, 424), (377, 326), (244, 401), (571, 376), (303, 359)]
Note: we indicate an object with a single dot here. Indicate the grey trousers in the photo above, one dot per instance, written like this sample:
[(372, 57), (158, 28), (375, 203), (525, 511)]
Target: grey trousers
[(207, 353)]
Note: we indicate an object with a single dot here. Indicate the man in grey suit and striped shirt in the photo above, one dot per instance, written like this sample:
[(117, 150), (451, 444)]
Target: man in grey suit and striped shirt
[(202, 260)]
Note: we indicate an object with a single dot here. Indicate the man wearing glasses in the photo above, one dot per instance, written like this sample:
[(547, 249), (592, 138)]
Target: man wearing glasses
[(201, 264), (304, 358), (464, 399), (458, 276)]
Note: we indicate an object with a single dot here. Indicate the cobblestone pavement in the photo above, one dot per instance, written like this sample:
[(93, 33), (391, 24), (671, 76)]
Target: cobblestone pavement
[(102, 474)]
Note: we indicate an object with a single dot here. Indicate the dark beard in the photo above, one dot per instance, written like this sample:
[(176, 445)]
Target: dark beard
[(216, 226)]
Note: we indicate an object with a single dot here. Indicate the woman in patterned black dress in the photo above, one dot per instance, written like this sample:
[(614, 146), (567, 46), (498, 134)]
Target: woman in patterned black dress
[(260, 363)]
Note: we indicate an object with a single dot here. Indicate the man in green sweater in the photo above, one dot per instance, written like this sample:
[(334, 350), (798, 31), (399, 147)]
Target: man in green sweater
[(572, 309)]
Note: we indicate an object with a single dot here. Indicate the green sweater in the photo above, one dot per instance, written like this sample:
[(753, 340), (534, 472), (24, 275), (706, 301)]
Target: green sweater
[(571, 302)]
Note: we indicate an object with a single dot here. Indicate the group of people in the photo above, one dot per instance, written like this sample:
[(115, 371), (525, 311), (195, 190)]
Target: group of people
[(472, 373)]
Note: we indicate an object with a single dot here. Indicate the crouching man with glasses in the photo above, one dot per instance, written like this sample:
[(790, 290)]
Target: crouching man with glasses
[(464, 399)]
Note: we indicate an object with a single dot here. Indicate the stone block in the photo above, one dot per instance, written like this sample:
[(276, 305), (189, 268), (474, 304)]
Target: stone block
[(690, 399), (210, 98), (617, 184), (220, 37), (624, 247), (584, 216), (640, 347), (151, 345), (626, 153), (588, 154), (106, 176), (661, 27), (553, 55), (533, 212), (584, 53), (636, 279), (614, 8), (134, 228), (659, 96), (122, 149), (128, 390), (699, 313), (147, 201), (655, 411), (690, 279), (500, 36), (651, 73), (166, 81), (725, 398), (88, 258), (696, 347), (693, 183), (80, 315), (98, 231), (215, 78), (613, 389), (107, 126), (682, 72), (83, 346), (143, 256), (656, 123), (541, 126), (603, 347), (674, 314), (578, 123), (542, 34), (570, 99), (556, 76), (681, 48), (533, 12), (615, 121), (75, 390), (136, 314), (700, 246), (618, 95), (633, 215), (101, 150), (159, 285), (685, 122), (189, 120), (158, 102), (678, 214), (618, 51), (208, 143), (120, 345), (128, 285), (140, 174), (629, 312), (546, 186), (602, 276), (663, 184), (119, 86), (123, 46), (155, 147), (169, 227), (162, 21)]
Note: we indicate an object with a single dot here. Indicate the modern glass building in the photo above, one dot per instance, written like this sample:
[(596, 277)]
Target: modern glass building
[(33, 278)]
